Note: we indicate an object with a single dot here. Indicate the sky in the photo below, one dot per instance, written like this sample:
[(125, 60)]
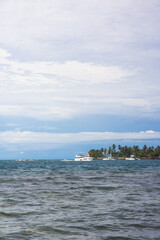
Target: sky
[(77, 75)]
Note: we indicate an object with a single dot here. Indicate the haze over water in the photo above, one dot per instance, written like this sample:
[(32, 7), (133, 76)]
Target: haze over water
[(55, 199)]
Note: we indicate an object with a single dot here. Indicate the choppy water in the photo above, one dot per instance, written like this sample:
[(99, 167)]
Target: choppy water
[(112, 200)]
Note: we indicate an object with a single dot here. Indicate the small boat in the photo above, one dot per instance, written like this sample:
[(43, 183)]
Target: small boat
[(132, 158), (106, 158), (20, 160), (111, 158), (81, 157), (67, 160)]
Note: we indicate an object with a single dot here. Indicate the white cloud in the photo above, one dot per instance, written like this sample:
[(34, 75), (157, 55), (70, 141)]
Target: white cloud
[(52, 90), (3, 54), (44, 140), (148, 132), (68, 58), (67, 28), (70, 72)]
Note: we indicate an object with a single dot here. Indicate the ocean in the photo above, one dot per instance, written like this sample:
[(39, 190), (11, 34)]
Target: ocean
[(59, 200)]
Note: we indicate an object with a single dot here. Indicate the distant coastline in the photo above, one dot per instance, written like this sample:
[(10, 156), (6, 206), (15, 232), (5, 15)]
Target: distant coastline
[(122, 152)]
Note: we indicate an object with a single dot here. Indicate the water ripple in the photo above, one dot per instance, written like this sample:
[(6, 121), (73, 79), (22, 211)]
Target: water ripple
[(69, 200)]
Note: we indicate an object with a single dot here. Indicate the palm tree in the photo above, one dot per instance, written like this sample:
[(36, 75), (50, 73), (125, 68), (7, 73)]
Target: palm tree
[(113, 150), (119, 147), (105, 151), (144, 148), (113, 146), (109, 150)]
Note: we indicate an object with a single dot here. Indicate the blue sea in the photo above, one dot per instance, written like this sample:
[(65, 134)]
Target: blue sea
[(55, 199)]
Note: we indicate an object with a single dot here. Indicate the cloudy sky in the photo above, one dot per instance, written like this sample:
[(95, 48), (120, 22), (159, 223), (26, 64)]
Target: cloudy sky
[(78, 74)]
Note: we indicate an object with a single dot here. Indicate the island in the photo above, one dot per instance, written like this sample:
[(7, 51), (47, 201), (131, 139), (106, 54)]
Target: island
[(124, 152)]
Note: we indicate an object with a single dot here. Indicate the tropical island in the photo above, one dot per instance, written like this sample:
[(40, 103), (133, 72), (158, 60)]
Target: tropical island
[(126, 152)]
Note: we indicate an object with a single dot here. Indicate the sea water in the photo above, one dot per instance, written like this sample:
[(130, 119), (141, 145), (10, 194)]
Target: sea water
[(54, 199)]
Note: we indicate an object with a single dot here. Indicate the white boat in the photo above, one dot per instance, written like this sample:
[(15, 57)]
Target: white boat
[(20, 160), (106, 158), (67, 160), (132, 158), (111, 158), (83, 158)]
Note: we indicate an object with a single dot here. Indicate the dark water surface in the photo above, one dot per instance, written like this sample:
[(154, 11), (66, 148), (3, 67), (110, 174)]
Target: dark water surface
[(112, 200)]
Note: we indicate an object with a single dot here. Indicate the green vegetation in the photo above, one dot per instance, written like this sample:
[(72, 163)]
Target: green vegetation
[(123, 152)]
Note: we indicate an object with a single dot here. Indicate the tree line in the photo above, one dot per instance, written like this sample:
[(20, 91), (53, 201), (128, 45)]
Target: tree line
[(123, 152)]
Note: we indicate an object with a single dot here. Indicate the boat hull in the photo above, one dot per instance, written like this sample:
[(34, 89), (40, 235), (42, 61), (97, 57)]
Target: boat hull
[(131, 159), (84, 159)]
